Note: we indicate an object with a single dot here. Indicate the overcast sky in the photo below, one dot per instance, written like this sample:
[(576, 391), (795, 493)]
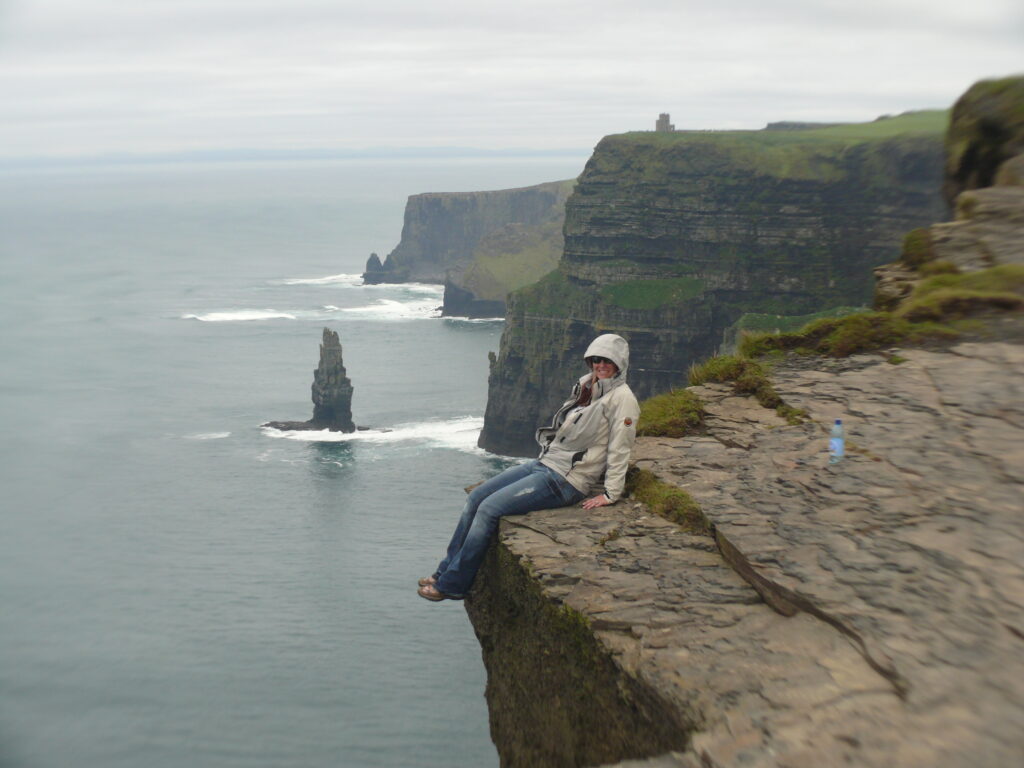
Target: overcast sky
[(95, 76)]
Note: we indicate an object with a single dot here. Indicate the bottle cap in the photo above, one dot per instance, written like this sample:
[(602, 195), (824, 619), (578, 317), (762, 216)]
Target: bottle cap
[(839, 421)]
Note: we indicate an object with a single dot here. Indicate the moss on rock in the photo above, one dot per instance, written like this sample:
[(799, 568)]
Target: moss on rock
[(917, 248), (748, 377), (846, 336), (940, 267), (669, 501), (945, 297)]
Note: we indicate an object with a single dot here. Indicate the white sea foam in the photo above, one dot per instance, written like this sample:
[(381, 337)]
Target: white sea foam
[(431, 288), (381, 309), (390, 309), (329, 280), (240, 315), (458, 434), (426, 289), (208, 436), (475, 319), (357, 282)]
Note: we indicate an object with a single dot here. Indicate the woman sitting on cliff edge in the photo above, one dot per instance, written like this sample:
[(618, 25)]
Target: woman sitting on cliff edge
[(590, 437)]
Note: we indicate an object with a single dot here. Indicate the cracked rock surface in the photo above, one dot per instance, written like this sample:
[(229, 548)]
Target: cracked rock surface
[(867, 613)]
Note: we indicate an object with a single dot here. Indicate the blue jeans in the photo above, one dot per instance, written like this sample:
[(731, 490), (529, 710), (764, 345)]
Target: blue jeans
[(516, 491)]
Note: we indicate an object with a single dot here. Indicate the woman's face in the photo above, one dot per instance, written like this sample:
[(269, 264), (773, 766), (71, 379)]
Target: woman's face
[(603, 368)]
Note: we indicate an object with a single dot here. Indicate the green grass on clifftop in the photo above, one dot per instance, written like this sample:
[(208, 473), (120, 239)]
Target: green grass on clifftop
[(925, 121), (834, 337), (772, 323), (673, 414), (809, 154)]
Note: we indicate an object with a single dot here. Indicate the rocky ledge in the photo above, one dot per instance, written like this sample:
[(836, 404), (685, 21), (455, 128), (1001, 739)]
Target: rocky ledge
[(867, 613)]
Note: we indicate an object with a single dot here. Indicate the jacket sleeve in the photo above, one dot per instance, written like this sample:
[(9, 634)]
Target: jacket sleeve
[(621, 436)]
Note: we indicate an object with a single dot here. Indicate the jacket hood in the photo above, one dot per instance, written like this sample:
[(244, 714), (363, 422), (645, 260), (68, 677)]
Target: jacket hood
[(612, 346)]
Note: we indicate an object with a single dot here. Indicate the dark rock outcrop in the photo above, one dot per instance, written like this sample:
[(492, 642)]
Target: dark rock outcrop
[(985, 145), (458, 302), (985, 178), (671, 238), (986, 129), (373, 269), (483, 244), (332, 392)]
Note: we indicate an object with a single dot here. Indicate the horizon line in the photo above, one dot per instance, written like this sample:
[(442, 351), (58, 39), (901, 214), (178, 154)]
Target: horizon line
[(249, 154)]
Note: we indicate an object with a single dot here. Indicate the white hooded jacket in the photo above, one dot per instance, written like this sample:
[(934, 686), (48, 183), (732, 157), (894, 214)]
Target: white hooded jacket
[(582, 444)]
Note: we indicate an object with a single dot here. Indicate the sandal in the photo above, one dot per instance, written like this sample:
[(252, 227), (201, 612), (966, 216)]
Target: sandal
[(427, 581), (430, 592)]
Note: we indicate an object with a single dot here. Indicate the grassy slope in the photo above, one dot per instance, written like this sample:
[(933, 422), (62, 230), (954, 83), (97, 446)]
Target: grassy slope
[(496, 272), (502, 266)]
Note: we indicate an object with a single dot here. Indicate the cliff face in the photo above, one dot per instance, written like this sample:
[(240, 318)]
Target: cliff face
[(802, 612), (671, 238), (486, 243)]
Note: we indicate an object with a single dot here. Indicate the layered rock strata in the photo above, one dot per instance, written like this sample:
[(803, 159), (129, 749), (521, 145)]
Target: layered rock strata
[(332, 392), (869, 613), (671, 238), (480, 244)]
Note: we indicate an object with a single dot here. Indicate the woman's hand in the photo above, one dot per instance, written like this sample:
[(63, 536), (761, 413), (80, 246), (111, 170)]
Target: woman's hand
[(596, 501)]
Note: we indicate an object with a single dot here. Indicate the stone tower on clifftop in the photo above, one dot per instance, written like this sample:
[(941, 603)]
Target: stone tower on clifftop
[(663, 125)]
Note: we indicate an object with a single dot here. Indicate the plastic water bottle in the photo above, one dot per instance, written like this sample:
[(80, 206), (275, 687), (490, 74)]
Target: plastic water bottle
[(836, 443)]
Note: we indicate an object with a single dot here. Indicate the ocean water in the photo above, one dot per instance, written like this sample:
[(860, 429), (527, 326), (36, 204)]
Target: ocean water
[(178, 585)]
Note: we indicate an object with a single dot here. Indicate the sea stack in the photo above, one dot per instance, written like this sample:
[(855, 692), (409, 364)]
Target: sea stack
[(374, 273), (332, 392)]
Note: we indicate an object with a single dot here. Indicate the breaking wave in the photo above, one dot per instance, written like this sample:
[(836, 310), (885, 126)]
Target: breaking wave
[(456, 319), (356, 281), (240, 315), (329, 280), (390, 309), (459, 434)]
